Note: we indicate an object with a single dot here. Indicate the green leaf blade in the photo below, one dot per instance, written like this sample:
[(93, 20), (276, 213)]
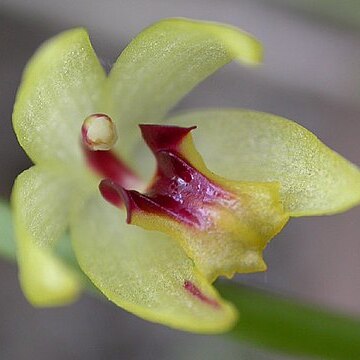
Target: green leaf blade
[(288, 326)]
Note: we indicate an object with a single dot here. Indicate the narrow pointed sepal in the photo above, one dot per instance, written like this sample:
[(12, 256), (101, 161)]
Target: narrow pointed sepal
[(222, 225)]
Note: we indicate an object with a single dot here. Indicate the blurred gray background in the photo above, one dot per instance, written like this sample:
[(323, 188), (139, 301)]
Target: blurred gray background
[(311, 74)]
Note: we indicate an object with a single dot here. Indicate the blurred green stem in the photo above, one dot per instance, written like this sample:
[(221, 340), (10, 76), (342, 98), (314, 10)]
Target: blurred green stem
[(266, 319), (7, 243), (287, 325), (345, 12)]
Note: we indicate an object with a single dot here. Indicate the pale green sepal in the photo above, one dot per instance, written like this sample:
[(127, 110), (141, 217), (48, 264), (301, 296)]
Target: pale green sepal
[(163, 63), (61, 86), (42, 197), (41, 201), (44, 278), (254, 146), (143, 272)]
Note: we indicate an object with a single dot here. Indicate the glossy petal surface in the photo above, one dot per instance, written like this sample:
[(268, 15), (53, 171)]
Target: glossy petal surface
[(60, 88), (254, 146), (41, 199), (144, 272), (163, 63)]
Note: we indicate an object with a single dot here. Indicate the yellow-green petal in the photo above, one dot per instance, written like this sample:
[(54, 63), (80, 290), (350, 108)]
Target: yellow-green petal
[(253, 146), (163, 63), (144, 272), (41, 200), (60, 88), (44, 278)]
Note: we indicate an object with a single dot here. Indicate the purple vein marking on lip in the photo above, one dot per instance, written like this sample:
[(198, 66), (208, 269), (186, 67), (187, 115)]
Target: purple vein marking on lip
[(195, 291)]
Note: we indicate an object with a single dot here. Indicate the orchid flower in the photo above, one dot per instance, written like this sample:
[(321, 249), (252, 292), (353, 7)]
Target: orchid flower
[(225, 183)]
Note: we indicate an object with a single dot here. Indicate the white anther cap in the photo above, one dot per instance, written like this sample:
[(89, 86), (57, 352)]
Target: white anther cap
[(99, 132)]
